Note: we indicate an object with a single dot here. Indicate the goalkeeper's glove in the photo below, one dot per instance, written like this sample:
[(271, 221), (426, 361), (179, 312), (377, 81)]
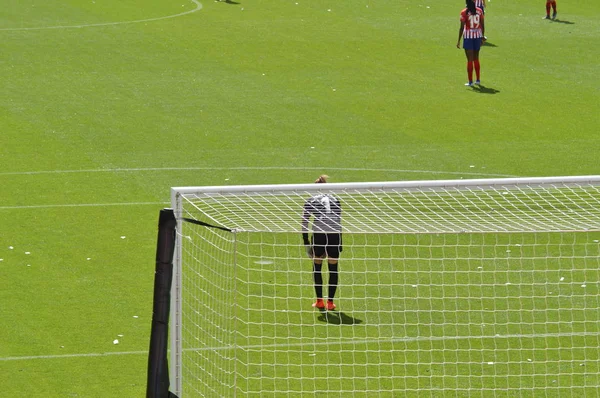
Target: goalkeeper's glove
[(309, 251), (307, 245), (305, 238)]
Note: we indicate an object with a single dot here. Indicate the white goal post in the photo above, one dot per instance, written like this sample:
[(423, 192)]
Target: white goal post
[(451, 288)]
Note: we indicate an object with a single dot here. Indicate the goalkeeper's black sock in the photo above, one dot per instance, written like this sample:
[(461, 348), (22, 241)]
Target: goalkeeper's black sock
[(333, 280), (318, 278)]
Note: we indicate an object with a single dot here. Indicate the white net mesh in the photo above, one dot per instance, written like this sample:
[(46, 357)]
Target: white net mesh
[(460, 289)]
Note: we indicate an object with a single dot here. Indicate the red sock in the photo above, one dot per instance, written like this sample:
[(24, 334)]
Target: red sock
[(548, 8), (554, 6), (477, 69), (470, 70)]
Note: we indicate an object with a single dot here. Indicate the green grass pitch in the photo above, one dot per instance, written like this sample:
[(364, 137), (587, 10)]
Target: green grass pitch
[(107, 104)]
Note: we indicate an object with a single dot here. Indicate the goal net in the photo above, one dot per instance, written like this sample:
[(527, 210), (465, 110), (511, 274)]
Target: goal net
[(455, 288)]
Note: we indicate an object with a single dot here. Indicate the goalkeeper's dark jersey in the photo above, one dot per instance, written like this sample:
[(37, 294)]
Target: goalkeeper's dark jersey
[(327, 212)]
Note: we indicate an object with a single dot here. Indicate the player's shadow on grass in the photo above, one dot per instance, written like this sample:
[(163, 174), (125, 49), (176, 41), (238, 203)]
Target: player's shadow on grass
[(228, 1), (484, 90), (488, 44), (338, 318), (563, 21)]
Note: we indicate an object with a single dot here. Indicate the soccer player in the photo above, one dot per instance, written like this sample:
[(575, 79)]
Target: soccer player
[(550, 4), (472, 31), (481, 4), (326, 241)]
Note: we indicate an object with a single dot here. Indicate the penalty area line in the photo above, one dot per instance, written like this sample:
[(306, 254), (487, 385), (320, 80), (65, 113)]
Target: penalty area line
[(246, 168)]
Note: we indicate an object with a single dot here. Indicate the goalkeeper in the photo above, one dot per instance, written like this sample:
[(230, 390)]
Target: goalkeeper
[(326, 241)]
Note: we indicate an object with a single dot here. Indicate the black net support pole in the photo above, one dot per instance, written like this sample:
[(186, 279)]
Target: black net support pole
[(158, 367)]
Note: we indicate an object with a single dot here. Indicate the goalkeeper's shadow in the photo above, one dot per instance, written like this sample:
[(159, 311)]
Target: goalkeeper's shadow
[(338, 318)]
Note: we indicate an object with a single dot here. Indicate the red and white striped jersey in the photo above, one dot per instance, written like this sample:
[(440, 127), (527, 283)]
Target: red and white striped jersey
[(472, 29), (479, 4)]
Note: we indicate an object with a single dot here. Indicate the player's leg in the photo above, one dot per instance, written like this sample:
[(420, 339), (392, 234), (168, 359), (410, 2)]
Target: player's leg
[(318, 280), (548, 6), (470, 60), (318, 244), (334, 245), (332, 264), (477, 67)]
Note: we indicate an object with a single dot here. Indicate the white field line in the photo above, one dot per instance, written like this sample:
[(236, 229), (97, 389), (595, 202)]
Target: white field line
[(105, 354), (324, 342), (83, 205), (166, 169), (160, 169), (197, 3)]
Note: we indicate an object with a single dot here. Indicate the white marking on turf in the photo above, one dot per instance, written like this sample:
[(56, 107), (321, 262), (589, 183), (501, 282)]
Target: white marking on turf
[(104, 354), (166, 169), (324, 342), (83, 205), (197, 3), (242, 168)]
